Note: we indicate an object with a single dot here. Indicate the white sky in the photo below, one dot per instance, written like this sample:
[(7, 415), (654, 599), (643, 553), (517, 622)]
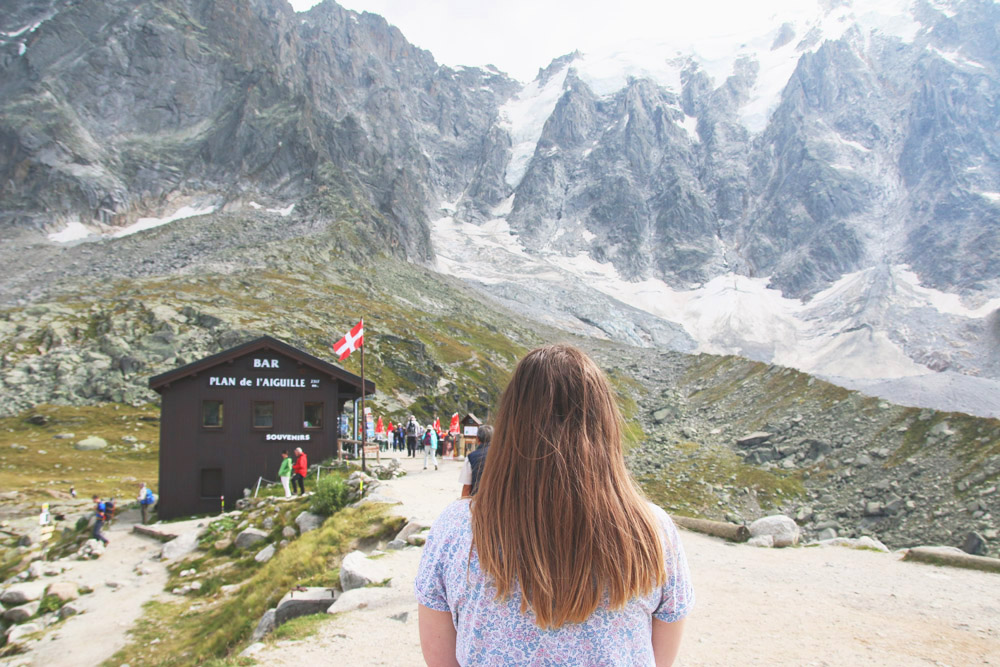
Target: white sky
[(520, 36)]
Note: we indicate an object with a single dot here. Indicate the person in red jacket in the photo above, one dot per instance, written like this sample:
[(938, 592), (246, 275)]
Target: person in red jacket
[(299, 471)]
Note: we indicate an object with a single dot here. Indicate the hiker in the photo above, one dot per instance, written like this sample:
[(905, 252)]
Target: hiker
[(100, 517), (412, 433), (146, 500), (300, 469), (472, 471), (285, 473), (430, 443), (559, 559), (399, 441)]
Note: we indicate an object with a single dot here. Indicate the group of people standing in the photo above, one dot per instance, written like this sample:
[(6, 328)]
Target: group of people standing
[(411, 436), (292, 472)]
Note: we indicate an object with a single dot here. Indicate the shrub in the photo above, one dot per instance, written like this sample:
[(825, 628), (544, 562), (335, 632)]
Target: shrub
[(331, 495)]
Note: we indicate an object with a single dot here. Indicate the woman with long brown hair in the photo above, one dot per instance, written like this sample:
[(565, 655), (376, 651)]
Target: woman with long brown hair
[(558, 559)]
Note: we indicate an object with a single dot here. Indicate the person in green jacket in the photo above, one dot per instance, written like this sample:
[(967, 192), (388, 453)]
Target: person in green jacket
[(285, 473)]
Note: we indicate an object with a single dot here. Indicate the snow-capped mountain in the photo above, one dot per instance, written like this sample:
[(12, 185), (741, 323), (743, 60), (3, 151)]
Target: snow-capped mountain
[(822, 193)]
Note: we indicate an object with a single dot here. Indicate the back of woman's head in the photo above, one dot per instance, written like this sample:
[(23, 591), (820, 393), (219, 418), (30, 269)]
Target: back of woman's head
[(556, 511)]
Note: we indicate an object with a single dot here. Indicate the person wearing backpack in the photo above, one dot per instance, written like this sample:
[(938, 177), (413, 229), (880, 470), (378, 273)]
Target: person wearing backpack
[(146, 500), (430, 443), (412, 433), (100, 517), (472, 471), (285, 473)]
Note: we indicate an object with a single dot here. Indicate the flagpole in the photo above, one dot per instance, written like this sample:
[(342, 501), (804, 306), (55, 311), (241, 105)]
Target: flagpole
[(364, 415)]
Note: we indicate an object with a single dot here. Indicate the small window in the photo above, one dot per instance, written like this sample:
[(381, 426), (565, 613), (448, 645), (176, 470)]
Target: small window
[(211, 414), (263, 414), (313, 415), (211, 483)]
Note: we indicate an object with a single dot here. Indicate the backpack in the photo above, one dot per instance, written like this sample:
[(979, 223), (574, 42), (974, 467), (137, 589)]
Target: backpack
[(148, 498), (411, 428), (107, 508)]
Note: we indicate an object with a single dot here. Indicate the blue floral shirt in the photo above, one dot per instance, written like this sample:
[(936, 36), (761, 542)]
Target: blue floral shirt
[(497, 633)]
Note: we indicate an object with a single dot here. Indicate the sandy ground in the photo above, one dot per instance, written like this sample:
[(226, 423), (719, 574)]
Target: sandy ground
[(101, 628), (806, 606)]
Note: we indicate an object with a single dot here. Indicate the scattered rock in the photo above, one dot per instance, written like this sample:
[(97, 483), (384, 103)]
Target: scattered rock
[(17, 632), (91, 443), (265, 554), (766, 541), (64, 590), (181, 545), (781, 528), (250, 537), (302, 602), (253, 649), (288, 533), (68, 610), (753, 439), (974, 544), (357, 570), (19, 594), (21, 613), (307, 521)]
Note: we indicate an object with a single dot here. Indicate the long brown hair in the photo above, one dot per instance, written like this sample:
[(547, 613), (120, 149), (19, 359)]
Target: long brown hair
[(556, 512)]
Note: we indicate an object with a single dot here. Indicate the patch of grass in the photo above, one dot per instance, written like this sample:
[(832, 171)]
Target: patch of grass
[(331, 495), (689, 486), (302, 627), (49, 603), (103, 472), (191, 635)]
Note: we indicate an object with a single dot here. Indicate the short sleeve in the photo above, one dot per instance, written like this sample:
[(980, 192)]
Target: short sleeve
[(430, 584), (677, 594), (465, 477)]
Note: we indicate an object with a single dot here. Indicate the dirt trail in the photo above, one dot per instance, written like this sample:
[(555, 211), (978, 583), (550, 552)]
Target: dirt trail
[(107, 614), (806, 606)]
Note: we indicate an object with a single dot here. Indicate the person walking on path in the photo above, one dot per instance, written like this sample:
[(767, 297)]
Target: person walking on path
[(146, 500), (430, 443), (100, 517), (472, 471), (559, 560), (412, 434), (300, 469), (285, 473)]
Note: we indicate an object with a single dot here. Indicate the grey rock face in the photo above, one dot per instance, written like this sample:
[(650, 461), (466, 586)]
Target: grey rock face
[(307, 521)]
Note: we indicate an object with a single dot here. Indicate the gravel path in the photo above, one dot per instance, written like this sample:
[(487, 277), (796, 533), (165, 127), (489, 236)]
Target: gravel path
[(806, 606)]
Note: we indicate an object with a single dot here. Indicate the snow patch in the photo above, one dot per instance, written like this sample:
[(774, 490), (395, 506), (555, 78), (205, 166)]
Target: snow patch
[(74, 231), (690, 125), (524, 116), (588, 235), (142, 224), (605, 73), (504, 208), (992, 196)]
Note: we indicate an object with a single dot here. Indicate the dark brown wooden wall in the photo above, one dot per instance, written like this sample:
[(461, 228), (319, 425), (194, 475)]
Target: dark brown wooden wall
[(241, 451)]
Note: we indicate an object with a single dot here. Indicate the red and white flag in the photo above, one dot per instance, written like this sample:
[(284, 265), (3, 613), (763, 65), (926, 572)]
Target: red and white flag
[(351, 341), (453, 427)]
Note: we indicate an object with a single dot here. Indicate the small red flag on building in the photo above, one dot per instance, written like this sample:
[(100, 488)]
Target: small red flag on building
[(351, 341)]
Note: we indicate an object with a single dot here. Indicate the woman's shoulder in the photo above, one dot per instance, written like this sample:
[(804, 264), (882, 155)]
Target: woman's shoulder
[(664, 520), (456, 515)]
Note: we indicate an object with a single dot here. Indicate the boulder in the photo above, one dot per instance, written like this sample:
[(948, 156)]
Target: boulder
[(68, 610), (265, 626), (765, 541), (17, 632), (288, 533), (265, 554), (19, 594), (753, 439), (303, 602), (827, 534), (91, 443), (64, 590), (357, 570), (863, 542), (974, 544), (396, 545), (250, 537), (783, 530), (181, 545), (307, 521), (22, 613)]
